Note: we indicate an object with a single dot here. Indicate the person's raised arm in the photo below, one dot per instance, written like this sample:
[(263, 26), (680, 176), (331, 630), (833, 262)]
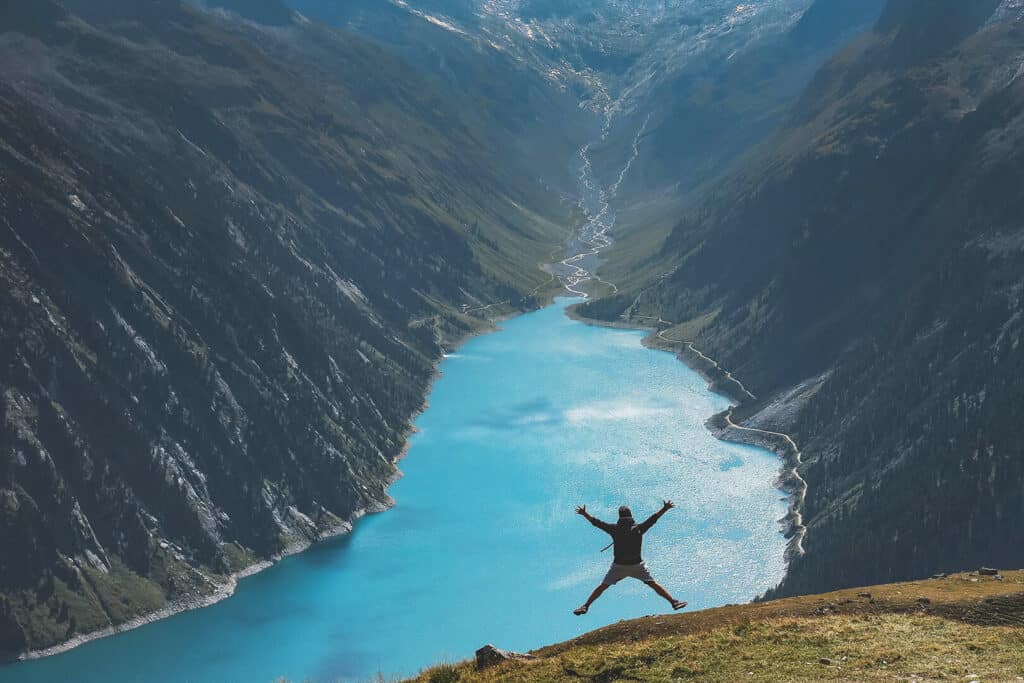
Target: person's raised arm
[(603, 526), (653, 519)]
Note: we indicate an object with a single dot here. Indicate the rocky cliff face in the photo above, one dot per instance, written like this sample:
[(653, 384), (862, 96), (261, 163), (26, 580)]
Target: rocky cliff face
[(230, 255), (870, 254), (735, 91), (703, 79)]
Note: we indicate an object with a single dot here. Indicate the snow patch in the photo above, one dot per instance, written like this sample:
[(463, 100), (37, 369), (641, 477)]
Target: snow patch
[(1009, 10), (154, 363), (174, 217), (350, 290), (447, 26)]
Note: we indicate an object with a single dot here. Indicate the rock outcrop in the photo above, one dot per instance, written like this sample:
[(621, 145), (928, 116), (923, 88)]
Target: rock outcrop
[(489, 656)]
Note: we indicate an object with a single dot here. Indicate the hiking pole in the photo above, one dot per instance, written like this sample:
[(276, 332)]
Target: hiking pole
[(607, 546)]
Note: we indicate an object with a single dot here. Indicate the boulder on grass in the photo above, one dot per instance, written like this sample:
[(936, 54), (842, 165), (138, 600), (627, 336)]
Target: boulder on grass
[(489, 656)]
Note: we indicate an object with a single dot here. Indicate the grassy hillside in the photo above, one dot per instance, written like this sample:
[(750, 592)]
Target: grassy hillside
[(959, 628)]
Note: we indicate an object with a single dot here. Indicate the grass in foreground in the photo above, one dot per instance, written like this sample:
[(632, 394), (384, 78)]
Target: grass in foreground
[(870, 648), (960, 628)]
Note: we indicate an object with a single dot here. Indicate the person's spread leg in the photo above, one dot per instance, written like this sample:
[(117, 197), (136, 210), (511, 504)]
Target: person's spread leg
[(581, 610), (660, 590)]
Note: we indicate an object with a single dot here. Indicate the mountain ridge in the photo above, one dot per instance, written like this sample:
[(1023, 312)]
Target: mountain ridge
[(232, 256), (843, 271)]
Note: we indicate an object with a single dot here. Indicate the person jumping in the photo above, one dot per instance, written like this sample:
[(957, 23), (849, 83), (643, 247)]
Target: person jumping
[(627, 537)]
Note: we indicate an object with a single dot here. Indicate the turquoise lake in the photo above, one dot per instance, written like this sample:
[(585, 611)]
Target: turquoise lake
[(482, 545)]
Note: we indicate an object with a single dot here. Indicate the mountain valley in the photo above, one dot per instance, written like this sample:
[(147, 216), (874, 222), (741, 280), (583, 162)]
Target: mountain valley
[(237, 238)]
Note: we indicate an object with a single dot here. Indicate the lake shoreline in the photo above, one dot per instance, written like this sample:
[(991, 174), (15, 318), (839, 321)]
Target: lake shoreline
[(223, 591), (603, 349), (722, 427), (226, 588)]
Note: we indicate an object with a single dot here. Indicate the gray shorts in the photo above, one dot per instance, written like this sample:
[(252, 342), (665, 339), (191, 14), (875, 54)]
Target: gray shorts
[(618, 572)]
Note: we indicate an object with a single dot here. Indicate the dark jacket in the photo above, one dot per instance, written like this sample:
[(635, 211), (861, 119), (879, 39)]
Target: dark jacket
[(628, 537)]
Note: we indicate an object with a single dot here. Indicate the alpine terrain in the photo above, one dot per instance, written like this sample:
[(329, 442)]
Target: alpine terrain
[(860, 273), (232, 252), (237, 237)]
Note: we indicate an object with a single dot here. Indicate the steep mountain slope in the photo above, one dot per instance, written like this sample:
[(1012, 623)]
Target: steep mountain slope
[(739, 92), (962, 627), (679, 89), (266, 12), (862, 273), (230, 255), (622, 58), (512, 96), (691, 115)]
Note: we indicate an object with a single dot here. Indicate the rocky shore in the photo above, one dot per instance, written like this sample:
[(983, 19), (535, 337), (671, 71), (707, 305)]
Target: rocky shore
[(221, 589)]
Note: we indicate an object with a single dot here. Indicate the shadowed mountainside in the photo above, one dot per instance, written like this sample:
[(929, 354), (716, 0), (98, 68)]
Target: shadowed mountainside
[(506, 93), (860, 272), (727, 101), (230, 256), (691, 124)]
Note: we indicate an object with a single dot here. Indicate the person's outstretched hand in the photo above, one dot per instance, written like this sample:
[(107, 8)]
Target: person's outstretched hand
[(668, 505), (581, 510)]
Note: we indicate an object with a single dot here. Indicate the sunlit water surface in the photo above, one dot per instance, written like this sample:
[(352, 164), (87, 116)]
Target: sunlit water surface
[(483, 546)]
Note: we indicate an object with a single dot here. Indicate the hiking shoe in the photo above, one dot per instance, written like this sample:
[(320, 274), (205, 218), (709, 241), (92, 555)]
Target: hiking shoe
[(679, 604), (580, 611)]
